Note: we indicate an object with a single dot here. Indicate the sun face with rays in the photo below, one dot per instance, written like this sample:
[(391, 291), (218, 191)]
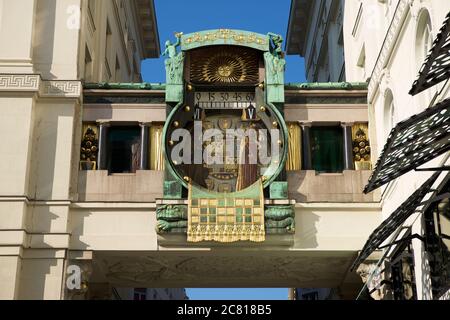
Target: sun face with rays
[(218, 65)]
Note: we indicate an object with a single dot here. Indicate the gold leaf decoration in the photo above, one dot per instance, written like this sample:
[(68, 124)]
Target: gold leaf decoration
[(224, 64)]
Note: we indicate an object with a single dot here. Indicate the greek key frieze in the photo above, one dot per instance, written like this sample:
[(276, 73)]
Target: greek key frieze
[(19, 82), (34, 83)]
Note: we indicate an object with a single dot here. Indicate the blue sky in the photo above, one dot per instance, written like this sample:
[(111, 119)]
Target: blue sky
[(260, 16), (237, 294), (185, 16)]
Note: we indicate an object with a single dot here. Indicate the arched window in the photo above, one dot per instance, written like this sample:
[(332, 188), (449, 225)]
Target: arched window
[(389, 113), (424, 43), (424, 37)]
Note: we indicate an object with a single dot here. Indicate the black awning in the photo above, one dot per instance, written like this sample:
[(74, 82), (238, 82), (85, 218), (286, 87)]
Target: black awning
[(412, 143), (437, 65), (395, 220)]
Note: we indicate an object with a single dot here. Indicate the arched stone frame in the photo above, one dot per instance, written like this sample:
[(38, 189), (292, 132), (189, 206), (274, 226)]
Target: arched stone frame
[(423, 41), (389, 113)]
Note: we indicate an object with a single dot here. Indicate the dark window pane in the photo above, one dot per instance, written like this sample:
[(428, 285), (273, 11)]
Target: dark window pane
[(327, 149), (124, 145)]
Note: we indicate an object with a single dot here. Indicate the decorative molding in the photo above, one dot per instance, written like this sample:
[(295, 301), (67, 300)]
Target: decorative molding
[(66, 89), (245, 269), (34, 83), (388, 46), (19, 82), (384, 81)]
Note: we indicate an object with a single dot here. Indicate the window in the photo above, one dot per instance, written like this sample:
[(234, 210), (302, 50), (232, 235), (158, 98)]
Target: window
[(327, 149), (424, 43), (361, 63), (92, 11), (124, 149), (389, 114), (87, 65), (108, 47), (312, 296), (424, 38), (140, 294), (91, 5), (117, 74)]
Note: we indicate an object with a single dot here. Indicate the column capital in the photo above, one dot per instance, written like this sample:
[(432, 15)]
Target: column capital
[(145, 124), (305, 124), (347, 124), (104, 123)]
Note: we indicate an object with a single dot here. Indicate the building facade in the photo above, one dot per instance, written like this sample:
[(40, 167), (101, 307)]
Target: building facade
[(141, 294), (93, 199), (48, 49), (387, 43), (316, 32), (401, 36)]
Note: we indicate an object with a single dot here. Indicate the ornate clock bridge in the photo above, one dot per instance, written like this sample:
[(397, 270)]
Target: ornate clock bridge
[(225, 187)]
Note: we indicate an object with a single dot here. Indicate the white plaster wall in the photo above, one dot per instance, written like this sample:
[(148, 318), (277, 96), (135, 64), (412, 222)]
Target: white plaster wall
[(56, 35), (334, 227), (52, 150), (9, 271), (16, 16), (138, 113), (41, 125), (400, 70), (113, 228), (41, 279), (16, 123)]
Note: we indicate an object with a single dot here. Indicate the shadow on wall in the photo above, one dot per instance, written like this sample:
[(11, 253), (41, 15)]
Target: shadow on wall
[(43, 49), (39, 276), (306, 230), (296, 181)]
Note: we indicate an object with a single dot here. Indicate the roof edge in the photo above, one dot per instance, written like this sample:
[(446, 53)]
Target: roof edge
[(327, 86), (288, 86)]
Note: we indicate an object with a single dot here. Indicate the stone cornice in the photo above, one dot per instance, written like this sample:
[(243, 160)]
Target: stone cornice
[(388, 46), (44, 88)]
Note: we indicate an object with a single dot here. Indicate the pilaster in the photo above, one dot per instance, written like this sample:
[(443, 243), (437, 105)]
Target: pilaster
[(16, 29)]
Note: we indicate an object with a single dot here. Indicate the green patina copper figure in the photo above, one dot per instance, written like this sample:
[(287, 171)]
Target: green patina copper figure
[(280, 217), (277, 41), (174, 217), (174, 63), (288, 224), (166, 226), (171, 217), (275, 68), (174, 70), (276, 63), (172, 212)]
